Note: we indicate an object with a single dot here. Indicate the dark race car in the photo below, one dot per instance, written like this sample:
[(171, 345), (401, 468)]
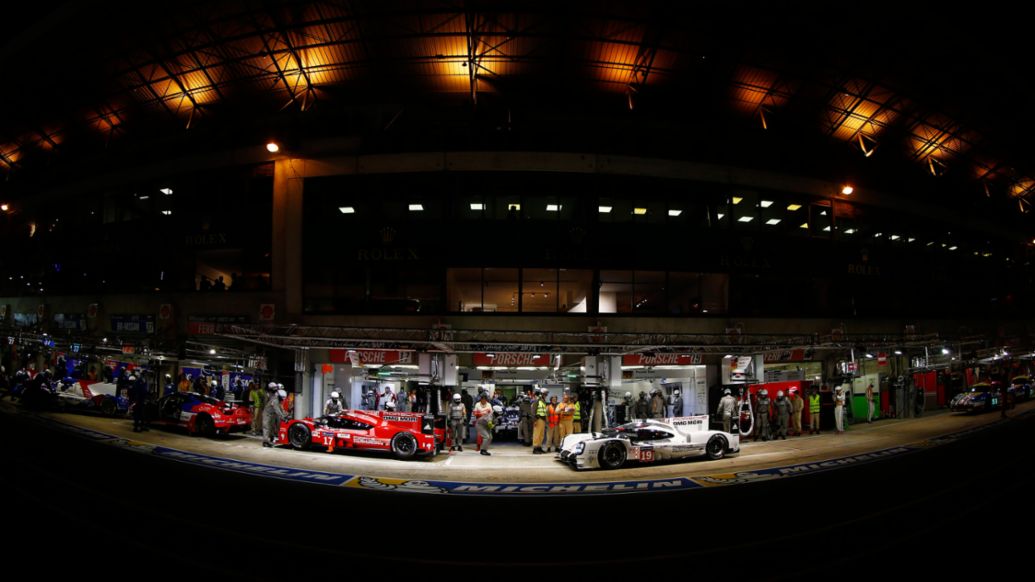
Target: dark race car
[(405, 434), (200, 414), (981, 397), (1021, 388)]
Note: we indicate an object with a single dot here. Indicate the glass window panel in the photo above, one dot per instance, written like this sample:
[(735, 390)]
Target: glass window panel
[(573, 290), (649, 291), (539, 291), (616, 291), (464, 289), (500, 290)]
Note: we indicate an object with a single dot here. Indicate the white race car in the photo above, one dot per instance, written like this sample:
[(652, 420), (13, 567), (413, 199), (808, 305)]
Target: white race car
[(648, 441)]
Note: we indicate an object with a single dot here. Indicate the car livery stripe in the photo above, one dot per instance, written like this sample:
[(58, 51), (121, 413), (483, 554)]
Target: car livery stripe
[(372, 483)]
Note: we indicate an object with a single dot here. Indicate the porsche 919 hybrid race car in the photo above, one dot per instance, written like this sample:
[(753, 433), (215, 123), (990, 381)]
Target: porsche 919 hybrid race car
[(648, 441), (405, 434), (200, 414)]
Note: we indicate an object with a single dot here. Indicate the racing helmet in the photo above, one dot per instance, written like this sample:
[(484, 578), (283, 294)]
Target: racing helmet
[(763, 392), (389, 406), (272, 385), (132, 378), (213, 382), (497, 409), (282, 393), (628, 394), (675, 392), (335, 395), (456, 397), (168, 376), (779, 393)]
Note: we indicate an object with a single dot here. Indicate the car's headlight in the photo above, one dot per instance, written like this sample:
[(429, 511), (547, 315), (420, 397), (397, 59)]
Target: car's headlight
[(580, 448)]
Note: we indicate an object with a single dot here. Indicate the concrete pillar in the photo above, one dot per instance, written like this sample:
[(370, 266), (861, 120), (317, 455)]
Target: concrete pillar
[(288, 186)]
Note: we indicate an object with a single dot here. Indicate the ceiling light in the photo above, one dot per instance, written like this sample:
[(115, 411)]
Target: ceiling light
[(804, 225), (823, 213), (737, 199), (953, 247), (167, 212), (930, 243), (765, 203), (477, 206), (4, 207), (346, 210), (826, 229), (847, 190), (773, 221), (945, 351), (745, 219), (898, 352), (212, 351), (869, 356), (895, 237), (603, 209), (910, 239), (674, 212), (166, 191), (850, 231), (416, 207), (639, 211), (143, 196), (986, 255), (720, 216), (793, 207), (513, 206), (553, 207), (878, 235), (272, 147)]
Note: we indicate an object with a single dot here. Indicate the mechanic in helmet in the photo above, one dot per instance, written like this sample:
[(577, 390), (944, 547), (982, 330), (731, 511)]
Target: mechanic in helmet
[(274, 414), (138, 398), (677, 403), (762, 414), (641, 409), (524, 431), (483, 420), (169, 386), (727, 406), (457, 415), (839, 409), (334, 405), (627, 401), (782, 406), (539, 411), (657, 405), (215, 389)]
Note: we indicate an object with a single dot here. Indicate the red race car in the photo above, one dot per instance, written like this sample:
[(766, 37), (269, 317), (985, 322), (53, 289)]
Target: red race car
[(200, 415), (405, 434)]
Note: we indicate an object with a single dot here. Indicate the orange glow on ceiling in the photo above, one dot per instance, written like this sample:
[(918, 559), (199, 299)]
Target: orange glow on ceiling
[(861, 109), (1022, 188), (937, 138), (754, 88), (9, 154), (47, 139), (106, 120), (986, 169)]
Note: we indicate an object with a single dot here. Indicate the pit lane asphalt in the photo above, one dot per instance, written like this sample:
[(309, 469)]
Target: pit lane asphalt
[(72, 506), (514, 464)]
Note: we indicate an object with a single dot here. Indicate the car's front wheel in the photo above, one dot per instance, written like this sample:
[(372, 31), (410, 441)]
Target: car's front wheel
[(612, 455), (300, 436), (404, 445), (716, 447), (204, 426)]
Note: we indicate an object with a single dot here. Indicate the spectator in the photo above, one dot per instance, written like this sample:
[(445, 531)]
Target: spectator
[(483, 418)]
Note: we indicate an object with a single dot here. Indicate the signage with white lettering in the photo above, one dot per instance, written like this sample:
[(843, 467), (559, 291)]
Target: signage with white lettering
[(511, 359), (661, 360), (372, 357)]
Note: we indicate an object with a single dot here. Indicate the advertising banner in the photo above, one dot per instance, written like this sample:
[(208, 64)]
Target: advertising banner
[(661, 360), (373, 357), (511, 359), (212, 325), (133, 323)]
